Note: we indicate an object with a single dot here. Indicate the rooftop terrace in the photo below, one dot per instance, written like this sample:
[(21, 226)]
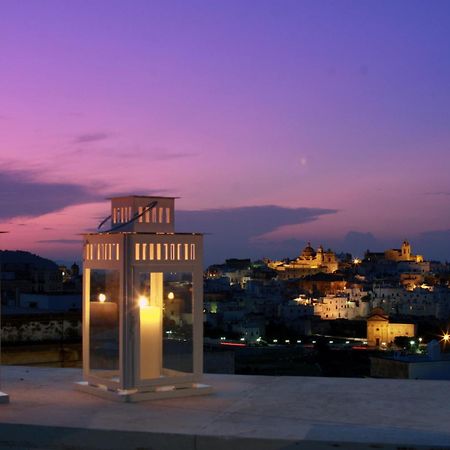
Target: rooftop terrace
[(258, 412)]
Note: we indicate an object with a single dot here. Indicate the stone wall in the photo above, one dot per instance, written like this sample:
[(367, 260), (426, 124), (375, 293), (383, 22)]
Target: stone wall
[(41, 328)]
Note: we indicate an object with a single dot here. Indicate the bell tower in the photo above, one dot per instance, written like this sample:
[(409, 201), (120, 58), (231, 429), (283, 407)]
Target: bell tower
[(406, 251)]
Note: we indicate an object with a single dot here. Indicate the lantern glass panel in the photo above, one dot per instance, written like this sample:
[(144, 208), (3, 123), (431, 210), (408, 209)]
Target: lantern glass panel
[(166, 327), (104, 295)]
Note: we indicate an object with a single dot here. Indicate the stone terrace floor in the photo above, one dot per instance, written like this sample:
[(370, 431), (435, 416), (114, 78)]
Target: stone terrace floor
[(261, 412)]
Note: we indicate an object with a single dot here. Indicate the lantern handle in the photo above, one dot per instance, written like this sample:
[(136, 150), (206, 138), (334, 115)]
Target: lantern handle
[(147, 208)]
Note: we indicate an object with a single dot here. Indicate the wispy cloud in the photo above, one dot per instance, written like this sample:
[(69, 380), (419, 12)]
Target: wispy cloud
[(441, 193), (172, 156), (155, 154), (59, 241), (91, 137), (232, 231)]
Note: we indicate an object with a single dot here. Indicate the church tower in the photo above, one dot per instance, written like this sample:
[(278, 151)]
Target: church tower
[(406, 251)]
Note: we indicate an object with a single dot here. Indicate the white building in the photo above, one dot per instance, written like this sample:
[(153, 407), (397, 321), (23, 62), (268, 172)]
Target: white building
[(417, 302), (334, 307)]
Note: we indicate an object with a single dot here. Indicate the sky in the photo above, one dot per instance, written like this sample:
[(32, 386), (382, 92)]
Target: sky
[(275, 122)]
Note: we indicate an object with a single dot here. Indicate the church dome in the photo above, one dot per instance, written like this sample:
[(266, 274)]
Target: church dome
[(308, 252)]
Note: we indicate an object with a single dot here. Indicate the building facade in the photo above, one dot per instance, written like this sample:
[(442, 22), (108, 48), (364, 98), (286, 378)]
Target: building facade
[(309, 261), (380, 332)]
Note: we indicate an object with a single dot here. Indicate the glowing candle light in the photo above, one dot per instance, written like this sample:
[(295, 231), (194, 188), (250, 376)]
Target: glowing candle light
[(104, 319), (103, 313), (151, 336)]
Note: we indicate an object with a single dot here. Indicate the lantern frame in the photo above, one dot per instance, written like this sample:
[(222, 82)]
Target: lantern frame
[(132, 253)]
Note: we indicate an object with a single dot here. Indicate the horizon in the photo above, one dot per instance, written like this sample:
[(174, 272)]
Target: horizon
[(276, 123)]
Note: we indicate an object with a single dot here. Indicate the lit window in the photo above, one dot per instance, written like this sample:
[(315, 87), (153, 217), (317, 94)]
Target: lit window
[(158, 251), (137, 252), (144, 252), (152, 251)]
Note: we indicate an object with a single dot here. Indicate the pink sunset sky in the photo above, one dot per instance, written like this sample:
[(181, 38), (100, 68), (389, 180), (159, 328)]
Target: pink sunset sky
[(336, 113)]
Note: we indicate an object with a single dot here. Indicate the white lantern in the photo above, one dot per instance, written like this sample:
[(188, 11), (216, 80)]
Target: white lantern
[(143, 305)]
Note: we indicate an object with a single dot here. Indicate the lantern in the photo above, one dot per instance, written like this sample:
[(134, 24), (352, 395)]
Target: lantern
[(142, 304)]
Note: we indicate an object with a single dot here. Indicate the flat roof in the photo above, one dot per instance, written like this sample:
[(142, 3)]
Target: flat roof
[(245, 412)]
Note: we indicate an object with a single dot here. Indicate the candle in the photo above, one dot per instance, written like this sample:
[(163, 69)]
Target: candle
[(103, 316), (104, 335), (151, 341)]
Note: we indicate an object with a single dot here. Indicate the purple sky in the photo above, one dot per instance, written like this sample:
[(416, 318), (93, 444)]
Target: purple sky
[(336, 112)]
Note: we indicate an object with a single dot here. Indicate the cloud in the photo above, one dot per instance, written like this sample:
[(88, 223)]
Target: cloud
[(358, 243), (24, 196), (433, 245), (441, 193), (232, 231), (154, 155), (167, 156), (59, 241), (91, 137)]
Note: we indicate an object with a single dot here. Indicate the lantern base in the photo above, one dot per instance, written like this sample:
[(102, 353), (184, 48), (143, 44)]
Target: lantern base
[(135, 395), (4, 398)]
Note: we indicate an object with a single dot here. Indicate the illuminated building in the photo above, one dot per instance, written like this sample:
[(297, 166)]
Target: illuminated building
[(403, 254), (334, 307), (381, 332), (309, 261)]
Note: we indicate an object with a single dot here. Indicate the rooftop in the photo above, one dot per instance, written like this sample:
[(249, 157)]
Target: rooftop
[(245, 412)]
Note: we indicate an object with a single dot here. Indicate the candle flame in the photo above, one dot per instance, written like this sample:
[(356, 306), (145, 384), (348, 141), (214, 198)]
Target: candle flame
[(143, 301)]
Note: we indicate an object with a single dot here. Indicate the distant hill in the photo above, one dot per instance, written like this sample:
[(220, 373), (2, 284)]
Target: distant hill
[(21, 257)]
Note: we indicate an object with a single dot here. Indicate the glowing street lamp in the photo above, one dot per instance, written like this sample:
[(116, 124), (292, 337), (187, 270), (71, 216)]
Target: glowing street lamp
[(136, 347), (4, 398)]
